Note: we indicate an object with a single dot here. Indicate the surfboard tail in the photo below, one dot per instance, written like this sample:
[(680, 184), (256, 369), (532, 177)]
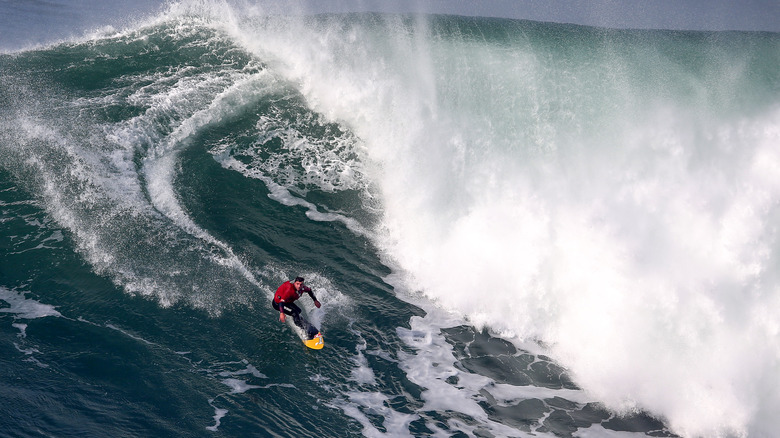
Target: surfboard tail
[(316, 343), (309, 334)]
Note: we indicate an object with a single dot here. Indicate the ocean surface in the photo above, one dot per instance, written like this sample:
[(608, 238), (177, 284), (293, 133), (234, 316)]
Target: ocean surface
[(515, 228)]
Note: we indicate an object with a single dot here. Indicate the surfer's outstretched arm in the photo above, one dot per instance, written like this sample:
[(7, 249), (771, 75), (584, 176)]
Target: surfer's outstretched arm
[(311, 294)]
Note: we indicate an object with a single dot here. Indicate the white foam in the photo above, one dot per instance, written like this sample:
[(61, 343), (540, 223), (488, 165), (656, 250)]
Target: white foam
[(250, 369), (395, 423), (598, 431), (130, 335), (362, 373), (22, 329), (218, 415), (510, 394), (433, 364), (24, 308), (238, 386)]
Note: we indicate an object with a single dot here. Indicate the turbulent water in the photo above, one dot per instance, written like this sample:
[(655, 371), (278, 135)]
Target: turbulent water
[(514, 228)]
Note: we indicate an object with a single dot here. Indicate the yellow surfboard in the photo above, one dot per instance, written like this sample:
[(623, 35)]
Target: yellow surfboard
[(315, 343), (308, 333)]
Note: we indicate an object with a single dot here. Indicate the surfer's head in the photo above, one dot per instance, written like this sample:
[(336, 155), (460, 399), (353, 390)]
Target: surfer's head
[(298, 282)]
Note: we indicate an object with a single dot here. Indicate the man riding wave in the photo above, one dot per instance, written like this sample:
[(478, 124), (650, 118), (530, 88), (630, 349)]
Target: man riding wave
[(285, 296)]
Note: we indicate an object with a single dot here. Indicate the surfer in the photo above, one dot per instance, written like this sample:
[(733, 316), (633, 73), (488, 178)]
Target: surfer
[(285, 296)]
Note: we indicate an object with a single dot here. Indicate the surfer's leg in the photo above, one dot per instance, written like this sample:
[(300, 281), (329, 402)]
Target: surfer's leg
[(289, 309), (295, 312)]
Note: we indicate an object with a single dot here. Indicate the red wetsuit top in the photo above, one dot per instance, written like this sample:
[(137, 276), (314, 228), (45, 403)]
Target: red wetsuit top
[(287, 293)]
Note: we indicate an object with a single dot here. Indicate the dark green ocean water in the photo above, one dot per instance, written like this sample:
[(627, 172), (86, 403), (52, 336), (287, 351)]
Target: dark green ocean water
[(157, 184)]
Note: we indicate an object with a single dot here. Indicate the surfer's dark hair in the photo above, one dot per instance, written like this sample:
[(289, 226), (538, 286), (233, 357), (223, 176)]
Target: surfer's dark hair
[(298, 279)]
